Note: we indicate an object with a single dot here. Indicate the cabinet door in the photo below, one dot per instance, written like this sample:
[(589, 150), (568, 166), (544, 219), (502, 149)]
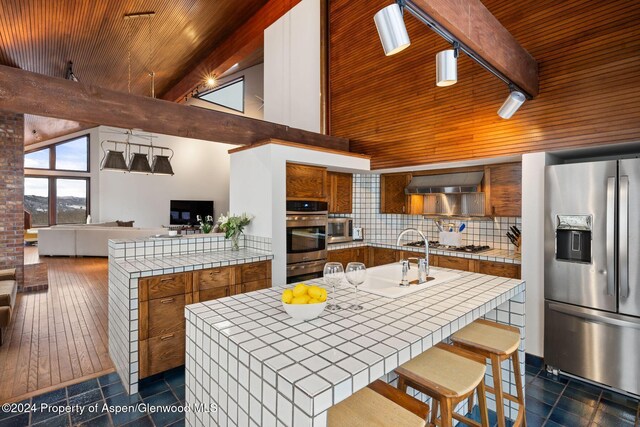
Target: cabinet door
[(164, 286), (214, 278), (306, 182), (254, 271), (159, 354), (343, 256), (162, 316), (383, 256), (255, 285), (214, 293), (503, 189), (499, 269), (453, 262), (340, 193), (392, 197)]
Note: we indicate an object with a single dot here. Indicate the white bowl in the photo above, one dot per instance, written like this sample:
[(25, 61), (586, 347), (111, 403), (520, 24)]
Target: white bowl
[(304, 311)]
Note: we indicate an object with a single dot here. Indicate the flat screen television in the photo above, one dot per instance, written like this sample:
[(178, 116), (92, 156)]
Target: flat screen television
[(185, 212)]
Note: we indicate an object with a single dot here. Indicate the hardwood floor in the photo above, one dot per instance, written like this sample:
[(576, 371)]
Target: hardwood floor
[(59, 336)]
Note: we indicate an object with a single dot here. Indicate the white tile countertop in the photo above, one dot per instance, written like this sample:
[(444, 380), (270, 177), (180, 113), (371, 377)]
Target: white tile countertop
[(258, 365), (197, 261), (498, 255)]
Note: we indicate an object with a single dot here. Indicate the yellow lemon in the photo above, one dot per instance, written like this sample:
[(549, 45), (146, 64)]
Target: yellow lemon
[(313, 301), (323, 295), (287, 296), (314, 292), (304, 299), (300, 290)]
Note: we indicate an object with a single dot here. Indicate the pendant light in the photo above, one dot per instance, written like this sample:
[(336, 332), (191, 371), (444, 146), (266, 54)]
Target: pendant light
[(511, 104), (139, 163), (113, 159), (391, 29), (161, 165), (447, 67)]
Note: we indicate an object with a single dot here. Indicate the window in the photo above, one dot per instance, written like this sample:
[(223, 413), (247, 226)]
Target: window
[(229, 95), (71, 200), (36, 200), (58, 193)]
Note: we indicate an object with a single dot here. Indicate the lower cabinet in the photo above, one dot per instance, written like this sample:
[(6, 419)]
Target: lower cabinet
[(345, 256), (499, 269), (381, 256), (162, 300)]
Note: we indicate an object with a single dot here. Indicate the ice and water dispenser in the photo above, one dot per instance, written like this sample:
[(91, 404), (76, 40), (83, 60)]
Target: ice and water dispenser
[(573, 238)]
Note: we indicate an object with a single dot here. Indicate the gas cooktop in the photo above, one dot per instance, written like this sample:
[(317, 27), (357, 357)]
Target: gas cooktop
[(436, 245)]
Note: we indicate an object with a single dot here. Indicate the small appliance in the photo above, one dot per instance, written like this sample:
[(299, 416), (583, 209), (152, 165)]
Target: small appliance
[(340, 230)]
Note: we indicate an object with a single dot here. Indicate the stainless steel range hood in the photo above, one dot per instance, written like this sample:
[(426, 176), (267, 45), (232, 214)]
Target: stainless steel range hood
[(450, 183)]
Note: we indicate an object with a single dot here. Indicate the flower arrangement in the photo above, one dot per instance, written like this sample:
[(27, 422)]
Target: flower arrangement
[(233, 226), (207, 225)]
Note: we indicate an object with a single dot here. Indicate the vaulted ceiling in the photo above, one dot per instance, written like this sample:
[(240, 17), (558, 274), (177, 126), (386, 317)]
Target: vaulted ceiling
[(43, 36)]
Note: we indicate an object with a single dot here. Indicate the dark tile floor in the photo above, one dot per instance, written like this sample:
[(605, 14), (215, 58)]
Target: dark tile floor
[(550, 401)]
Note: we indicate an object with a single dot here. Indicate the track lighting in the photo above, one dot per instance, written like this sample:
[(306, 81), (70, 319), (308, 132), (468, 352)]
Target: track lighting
[(511, 104), (447, 67), (391, 29)]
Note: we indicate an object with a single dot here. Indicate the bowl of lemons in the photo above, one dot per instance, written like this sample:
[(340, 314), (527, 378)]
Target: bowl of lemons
[(304, 302)]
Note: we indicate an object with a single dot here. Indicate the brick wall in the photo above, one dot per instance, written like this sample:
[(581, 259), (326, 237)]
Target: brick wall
[(12, 192)]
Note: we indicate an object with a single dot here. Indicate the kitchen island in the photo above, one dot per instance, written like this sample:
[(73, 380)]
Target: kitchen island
[(261, 367)]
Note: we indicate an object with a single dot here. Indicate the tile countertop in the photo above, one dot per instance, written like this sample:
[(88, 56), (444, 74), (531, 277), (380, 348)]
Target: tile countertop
[(498, 255), (197, 261), (315, 364)]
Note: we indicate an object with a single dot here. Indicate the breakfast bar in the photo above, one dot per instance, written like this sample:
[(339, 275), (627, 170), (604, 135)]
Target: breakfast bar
[(257, 366)]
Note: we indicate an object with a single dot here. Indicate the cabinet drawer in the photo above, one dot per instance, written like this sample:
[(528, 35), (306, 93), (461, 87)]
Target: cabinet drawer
[(254, 271), (214, 293), (453, 262), (255, 285), (162, 316), (214, 278), (161, 353), (164, 286), (499, 269)]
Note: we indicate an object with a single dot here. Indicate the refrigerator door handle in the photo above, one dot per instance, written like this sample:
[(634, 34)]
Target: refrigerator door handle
[(610, 245), (593, 316), (623, 248)]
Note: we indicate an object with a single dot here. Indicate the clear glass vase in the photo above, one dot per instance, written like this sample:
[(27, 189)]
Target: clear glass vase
[(235, 241)]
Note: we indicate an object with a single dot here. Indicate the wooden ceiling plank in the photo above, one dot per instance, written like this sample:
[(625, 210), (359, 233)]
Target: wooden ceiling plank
[(31, 93), (475, 26), (244, 41)]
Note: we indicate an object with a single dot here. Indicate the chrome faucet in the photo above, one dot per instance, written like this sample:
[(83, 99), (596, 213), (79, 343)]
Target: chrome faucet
[(423, 264)]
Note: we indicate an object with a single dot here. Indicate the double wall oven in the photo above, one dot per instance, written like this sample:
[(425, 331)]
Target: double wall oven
[(306, 239)]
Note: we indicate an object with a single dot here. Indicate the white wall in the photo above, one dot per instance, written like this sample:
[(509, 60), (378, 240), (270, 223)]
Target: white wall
[(533, 166), (201, 173), (253, 87), (258, 187), (292, 68)]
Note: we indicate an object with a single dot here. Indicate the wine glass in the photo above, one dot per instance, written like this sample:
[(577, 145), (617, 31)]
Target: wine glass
[(356, 273), (333, 274)]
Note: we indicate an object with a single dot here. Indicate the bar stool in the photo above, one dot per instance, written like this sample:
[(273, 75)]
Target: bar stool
[(378, 405), (498, 343), (448, 375)]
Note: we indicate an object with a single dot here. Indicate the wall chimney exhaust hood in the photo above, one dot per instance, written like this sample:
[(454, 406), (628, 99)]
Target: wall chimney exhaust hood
[(450, 183)]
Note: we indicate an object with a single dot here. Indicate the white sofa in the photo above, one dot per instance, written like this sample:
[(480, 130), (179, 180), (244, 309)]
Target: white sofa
[(86, 240)]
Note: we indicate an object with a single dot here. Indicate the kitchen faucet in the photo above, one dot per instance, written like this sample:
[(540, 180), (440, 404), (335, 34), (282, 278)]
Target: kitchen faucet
[(423, 264)]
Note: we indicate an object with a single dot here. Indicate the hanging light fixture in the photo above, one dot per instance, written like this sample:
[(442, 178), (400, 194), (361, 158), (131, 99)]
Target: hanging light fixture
[(161, 165), (511, 104), (139, 163), (447, 67), (113, 160), (391, 29)]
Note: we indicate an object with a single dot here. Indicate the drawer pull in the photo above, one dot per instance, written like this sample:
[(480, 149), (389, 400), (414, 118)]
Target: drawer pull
[(167, 279), (211, 273), (166, 337), (167, 300)]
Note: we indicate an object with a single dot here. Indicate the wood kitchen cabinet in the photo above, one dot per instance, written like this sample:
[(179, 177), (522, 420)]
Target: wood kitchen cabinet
[(161, 336), (307, 182), (381, 256), (501, 269), (393, 200), (340, 192), (503, 189), (345, 256)]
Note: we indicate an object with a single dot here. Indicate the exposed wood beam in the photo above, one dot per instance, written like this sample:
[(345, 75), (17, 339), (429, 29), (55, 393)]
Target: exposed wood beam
[(473, 25), (30, 93), (244, 41)]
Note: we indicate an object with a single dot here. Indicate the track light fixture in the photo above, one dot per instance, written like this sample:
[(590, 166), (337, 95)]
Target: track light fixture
[(511, 104), (391, 29), (447, 66)]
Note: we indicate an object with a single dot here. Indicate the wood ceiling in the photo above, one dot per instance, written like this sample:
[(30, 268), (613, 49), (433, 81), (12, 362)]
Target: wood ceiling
[(42, 36), (588, 53)]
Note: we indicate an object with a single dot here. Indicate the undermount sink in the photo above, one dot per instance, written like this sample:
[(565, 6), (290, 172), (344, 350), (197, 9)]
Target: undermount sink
[(385, 280)]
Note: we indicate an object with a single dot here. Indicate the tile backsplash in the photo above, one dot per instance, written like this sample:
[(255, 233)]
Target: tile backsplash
[(384, 227)]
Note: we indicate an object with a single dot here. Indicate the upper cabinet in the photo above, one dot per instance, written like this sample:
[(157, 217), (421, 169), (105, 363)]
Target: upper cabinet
[(393, 200), (340, 192), (503, 189), (307, 182)]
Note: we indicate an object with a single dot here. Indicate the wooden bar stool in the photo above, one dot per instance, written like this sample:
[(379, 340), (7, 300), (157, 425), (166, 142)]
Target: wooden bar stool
[(378, 405), (448, 375), (498, 343)]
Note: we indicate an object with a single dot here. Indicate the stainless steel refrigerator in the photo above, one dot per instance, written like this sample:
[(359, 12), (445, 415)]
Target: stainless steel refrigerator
[(592, 271)]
